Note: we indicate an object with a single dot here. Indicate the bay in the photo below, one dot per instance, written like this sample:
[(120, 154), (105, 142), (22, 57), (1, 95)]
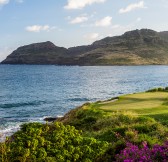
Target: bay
[(29, 93)]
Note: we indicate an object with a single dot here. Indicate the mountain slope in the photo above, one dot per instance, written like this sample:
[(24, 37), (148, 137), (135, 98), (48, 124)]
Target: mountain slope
[(164, 35), (138, 47), (37, 53)]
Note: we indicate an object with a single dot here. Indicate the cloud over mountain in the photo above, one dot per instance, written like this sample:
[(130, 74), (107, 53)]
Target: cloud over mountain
[(106, 21), (132, 7), (79, 4), (38, 28)]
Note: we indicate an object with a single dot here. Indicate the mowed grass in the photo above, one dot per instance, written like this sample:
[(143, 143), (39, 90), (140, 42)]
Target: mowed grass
[(152, 104)]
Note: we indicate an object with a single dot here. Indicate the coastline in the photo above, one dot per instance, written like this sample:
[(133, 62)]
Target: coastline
[(101, 65), (59, 118), (104, 128)]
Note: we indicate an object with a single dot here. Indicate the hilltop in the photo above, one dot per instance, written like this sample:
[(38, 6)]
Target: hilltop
[(137, 47)]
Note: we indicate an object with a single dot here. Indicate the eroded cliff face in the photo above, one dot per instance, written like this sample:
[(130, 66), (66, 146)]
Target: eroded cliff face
[(137, 47)]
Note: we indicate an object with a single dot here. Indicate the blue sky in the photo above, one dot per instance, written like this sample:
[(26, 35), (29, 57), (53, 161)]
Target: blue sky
[(75, 22)]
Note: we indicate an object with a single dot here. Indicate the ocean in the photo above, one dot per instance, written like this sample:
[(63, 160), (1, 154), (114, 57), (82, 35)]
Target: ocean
[(29, 93)]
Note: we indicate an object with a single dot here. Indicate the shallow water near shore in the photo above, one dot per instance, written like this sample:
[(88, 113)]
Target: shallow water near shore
[(29, 93)]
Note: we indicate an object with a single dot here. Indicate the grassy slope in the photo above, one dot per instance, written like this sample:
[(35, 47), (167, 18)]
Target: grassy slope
[(146, 104), (152, 104), (135, 117)]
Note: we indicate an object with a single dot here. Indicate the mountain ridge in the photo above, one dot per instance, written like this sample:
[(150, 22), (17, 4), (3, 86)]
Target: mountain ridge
[(136, 47)]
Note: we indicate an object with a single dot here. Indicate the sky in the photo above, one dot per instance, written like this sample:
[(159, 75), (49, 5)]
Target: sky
[(69, 23)]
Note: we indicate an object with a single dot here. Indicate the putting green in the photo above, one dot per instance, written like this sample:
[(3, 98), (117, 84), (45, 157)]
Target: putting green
[(153, 104)]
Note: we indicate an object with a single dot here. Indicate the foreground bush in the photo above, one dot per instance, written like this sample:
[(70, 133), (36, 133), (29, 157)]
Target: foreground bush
[(104, 135), (50, 143), (133, 153)]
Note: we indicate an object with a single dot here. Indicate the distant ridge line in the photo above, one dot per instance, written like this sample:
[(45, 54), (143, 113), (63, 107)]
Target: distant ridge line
[(136, 47)]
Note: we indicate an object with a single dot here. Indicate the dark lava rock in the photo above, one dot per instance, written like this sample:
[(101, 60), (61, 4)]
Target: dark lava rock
[(51, 119)]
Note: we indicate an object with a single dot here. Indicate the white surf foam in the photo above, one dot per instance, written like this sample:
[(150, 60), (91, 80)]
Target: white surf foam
[(10, 128)]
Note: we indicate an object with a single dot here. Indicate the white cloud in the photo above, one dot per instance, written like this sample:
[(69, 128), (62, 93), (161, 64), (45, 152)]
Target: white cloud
[(4, 2), (79, 4), (132, 7), (39, 28), (91, 36), (79, 19), (106, 21)]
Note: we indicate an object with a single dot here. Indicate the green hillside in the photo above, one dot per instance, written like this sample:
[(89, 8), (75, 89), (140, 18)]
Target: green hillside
[(137, 47)]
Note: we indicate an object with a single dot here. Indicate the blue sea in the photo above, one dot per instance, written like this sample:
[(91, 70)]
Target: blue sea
[(29, 93)]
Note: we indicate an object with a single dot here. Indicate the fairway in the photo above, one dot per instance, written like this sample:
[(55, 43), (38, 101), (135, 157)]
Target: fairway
[(153, 104)]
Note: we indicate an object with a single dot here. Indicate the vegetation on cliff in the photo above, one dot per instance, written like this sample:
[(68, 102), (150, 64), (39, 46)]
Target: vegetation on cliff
[(102, 131)]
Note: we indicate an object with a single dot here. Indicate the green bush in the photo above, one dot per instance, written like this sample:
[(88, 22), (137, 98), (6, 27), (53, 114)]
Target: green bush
[(148, 139), (103, 136), (166, 88), (145, 128), (159, 89), (38, 142), (153, 90), (144, 120), (84, 119), (108, 135)]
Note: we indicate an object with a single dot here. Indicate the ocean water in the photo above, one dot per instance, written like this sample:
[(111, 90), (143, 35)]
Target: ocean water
[(29, 93)]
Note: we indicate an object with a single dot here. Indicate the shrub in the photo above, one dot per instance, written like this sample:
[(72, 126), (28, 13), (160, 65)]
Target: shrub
[(144, 120), (153, 90), (145, 154), (108, 135), (161, 89), (43, 142), (166, 88), (84, 119)]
